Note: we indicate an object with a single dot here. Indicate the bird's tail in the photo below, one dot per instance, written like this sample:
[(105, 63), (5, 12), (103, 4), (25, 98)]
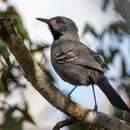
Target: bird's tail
[(111, 94)]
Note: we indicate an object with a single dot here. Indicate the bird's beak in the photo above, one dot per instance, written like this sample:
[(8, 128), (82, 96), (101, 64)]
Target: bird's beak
[(44, 20)]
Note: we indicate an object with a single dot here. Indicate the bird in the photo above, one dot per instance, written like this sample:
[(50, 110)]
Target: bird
[(76, 63)]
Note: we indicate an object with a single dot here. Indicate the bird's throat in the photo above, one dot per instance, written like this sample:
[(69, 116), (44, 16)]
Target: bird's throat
[(56, 34)]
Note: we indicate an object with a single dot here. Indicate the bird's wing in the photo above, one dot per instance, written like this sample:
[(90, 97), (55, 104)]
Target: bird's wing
[(78, 53)]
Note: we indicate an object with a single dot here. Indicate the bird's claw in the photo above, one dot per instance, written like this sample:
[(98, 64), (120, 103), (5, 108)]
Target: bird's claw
[(95, 108)]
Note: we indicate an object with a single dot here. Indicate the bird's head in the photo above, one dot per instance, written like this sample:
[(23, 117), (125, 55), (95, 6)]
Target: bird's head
[(60, 25)]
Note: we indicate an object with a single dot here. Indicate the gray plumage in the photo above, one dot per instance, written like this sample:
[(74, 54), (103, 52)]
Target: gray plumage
[(70, 60), (75, 63)]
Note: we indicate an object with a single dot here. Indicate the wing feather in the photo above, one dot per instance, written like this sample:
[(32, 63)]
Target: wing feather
[(78, 53)]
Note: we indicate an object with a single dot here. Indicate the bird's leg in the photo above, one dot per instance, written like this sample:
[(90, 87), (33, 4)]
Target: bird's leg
[(95, 107), (69, 95)]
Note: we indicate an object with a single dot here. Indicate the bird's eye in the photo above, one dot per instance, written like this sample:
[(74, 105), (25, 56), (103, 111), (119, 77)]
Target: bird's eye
[(63, 28), (61, 25)]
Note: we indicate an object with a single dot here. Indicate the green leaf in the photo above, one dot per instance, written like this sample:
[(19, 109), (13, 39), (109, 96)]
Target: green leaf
[(39, 47), (108, 59), (8, 76), (3, 88), (11, 11), (26, 115), (11, 123), (15, 123), (89, 28), (20, 27), (124, 70), (4, 52)]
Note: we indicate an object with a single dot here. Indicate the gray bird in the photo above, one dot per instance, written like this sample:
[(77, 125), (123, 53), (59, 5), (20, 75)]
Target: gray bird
[(75, 63)]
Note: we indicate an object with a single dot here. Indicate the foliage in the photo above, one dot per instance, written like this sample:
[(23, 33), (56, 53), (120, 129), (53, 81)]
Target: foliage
[(11, 74), (14, 117)]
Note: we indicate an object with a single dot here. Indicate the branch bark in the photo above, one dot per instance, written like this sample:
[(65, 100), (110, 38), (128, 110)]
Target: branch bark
[(40, 81)]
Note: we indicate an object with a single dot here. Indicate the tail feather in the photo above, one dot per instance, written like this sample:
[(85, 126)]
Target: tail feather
[(111, 94)]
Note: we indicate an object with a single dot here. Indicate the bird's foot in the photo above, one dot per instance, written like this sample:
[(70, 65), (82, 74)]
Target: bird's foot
[(95, 108), (69, 95)]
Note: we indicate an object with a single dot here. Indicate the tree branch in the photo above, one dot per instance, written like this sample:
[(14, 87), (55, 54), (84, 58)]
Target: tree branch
[(40, 81)]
